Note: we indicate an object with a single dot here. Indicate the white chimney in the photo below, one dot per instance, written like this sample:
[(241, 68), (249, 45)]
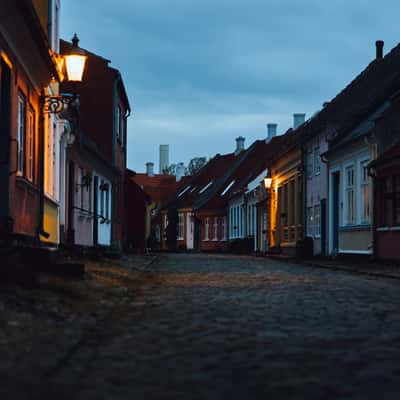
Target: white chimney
[(150, 169), (239, 144), (164, 157), (298, 119), (272, 128), (180, 171)]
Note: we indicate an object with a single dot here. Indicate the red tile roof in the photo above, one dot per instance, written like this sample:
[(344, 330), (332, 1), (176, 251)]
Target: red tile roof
[(158, 187)]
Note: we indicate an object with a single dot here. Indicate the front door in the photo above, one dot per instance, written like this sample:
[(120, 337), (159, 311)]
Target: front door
[(189, 231), (335, 212), (5, 140)]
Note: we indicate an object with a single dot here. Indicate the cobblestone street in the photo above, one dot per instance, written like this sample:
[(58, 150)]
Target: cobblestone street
[(221, 327)]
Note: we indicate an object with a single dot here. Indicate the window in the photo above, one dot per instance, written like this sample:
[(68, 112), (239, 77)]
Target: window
[(317, 221), (396, 183), (292, 202), (21, 134), (309, 164), (102, 200), (350, 196), (107, 206), (30, 145), (310, 221), (206, 228), (181, 226), (224, 228), (317, 161), (118, 116), (166, 222), (215, 229), (386, 188), (365, 193)]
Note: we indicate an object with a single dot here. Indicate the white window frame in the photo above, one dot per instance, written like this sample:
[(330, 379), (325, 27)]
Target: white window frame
[(365, 184), (21, 134), (224, 231), (215, 229), (206, 229), (310, 164), (181, 226), (317, 161), (310, 221), (317, 221), (350, 218), (30, 144)]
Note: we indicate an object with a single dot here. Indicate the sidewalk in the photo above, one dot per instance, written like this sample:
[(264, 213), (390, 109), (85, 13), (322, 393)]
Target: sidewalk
[(370, 268)]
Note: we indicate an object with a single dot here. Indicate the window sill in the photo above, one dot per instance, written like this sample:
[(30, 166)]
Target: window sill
[(362, 227), (389, 229), (24, 181)]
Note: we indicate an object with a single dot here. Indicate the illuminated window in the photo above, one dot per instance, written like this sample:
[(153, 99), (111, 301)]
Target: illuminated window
[(30, 145), (21, 134)]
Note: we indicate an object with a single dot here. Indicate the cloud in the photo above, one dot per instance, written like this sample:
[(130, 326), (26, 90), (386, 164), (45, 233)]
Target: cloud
[(200, 72)]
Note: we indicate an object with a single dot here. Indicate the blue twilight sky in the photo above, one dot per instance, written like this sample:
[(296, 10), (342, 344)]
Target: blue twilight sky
[(201, 72)]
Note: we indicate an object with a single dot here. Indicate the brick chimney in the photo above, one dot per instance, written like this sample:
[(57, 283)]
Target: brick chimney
[(379, 49)]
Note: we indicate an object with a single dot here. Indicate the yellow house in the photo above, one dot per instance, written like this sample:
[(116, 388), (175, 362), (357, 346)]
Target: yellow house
[(286, 198)]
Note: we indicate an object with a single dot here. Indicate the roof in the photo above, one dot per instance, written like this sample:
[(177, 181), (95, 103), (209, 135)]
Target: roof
[(204, 182), (158, 187), (371, 88), (255, 160)]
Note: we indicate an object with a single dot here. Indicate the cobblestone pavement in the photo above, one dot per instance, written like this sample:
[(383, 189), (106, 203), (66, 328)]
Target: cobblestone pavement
[(229, 327)]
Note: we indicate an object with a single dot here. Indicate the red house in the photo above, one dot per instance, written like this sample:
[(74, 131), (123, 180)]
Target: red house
[(387, 204)]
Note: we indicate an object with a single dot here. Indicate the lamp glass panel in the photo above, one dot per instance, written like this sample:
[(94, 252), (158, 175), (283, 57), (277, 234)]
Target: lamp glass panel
[(75, 65), (267, 183)]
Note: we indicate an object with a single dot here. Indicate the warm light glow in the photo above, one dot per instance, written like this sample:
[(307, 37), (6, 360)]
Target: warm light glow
[(75, 65), (267, 183)]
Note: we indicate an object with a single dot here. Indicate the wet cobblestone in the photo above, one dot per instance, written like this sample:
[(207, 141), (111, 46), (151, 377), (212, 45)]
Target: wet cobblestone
[(219, 327)]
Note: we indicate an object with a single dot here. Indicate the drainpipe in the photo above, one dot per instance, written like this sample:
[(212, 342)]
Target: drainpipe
[(40, 228)]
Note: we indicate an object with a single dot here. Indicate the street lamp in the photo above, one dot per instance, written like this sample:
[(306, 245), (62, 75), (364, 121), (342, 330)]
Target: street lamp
[(73, 63), (267, 183)]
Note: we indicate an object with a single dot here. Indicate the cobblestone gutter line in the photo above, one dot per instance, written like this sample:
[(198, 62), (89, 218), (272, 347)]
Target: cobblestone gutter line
[(375, 271)]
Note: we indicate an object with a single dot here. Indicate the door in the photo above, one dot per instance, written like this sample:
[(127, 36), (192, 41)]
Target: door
[(335, 212), (189, 231), (5, 140)]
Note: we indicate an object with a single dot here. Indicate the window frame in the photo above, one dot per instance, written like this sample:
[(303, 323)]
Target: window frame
[(21, 133), (350, 208)]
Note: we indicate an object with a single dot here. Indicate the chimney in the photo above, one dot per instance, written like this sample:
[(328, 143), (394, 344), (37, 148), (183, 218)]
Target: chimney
[(272, 128), (239, 145), (180, 171), (164, 157), (298, 119), (379, 49), (150, 169)]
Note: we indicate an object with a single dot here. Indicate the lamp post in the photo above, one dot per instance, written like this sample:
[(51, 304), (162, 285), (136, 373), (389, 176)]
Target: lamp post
[(72, 66)]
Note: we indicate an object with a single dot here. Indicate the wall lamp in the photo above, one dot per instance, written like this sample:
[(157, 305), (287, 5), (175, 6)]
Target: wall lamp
[(73, 66)]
